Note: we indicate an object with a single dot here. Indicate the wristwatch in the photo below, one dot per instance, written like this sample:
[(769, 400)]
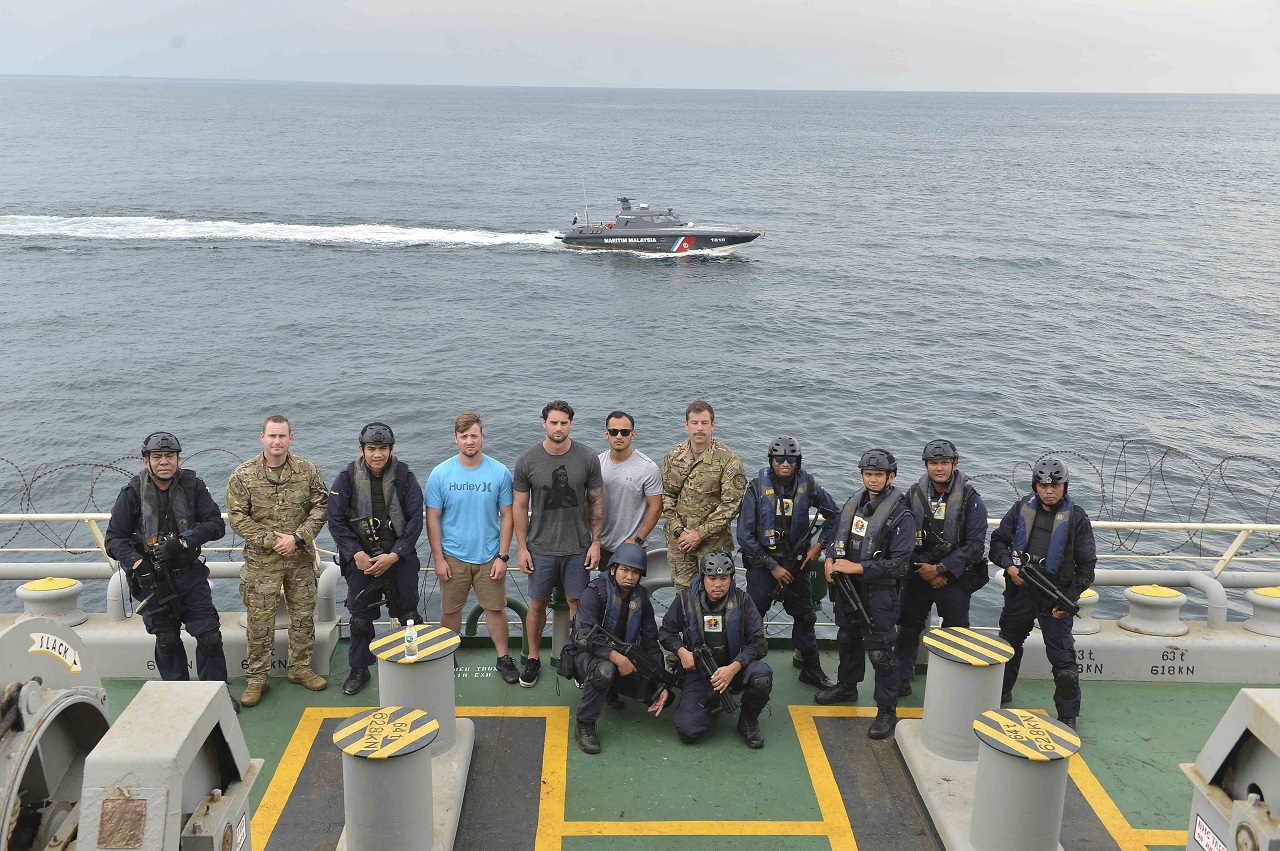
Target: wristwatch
[(505, 559), (297, 539)]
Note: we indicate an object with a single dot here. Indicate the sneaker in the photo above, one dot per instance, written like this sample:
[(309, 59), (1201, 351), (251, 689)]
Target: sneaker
[(253, 692), (882, 727), (507, 670), (585, 735), (529, 678), (356, 680), (308, 679)]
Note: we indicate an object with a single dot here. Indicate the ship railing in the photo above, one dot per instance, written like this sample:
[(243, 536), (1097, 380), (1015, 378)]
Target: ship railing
[(1249, 570)]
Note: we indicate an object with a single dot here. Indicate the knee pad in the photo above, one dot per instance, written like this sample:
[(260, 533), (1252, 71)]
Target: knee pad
[(761, 684), (883, 661), (601, 674), (210, 643), (361, 628), (168, 642), (1067, 681)]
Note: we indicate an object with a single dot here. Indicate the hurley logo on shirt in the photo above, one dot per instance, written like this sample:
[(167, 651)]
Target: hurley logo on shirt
[(483, 487)]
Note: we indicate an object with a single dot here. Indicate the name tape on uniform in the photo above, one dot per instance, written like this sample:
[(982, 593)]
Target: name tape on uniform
[(1018, 732), (968, 646)]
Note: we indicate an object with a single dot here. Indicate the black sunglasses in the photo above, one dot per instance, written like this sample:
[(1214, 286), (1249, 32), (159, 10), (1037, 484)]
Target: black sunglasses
[(785, 459), (616, 432)]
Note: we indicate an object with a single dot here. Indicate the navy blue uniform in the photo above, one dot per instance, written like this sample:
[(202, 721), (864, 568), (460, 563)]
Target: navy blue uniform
[(773, 529), (194, 602), (740, 639), (402, 542), (1071, 557), (628, 618), (884, 552), (963, 561)]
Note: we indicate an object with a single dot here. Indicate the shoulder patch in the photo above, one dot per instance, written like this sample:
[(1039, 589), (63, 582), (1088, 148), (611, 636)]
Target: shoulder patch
[(739, 480)]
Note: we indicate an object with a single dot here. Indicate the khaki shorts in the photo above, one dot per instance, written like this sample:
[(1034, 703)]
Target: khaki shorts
[(491, 594)]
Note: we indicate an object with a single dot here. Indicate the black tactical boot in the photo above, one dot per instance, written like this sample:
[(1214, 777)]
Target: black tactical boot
[(749, 727), (1070, 721), (585, 733), (1007, 697), (811, 672), (356, 680), (904, 688), (838, 693), (882, 727)]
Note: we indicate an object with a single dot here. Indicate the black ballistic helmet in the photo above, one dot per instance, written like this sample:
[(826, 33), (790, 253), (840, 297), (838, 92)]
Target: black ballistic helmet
[(940, 450), (160, 441), (377, 434), (717, 563), (1050, 471), (631, 555), (784, 446), (878, 459)]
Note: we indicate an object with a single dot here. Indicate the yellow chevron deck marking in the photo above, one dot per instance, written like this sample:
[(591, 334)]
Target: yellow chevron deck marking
[(995, 642), (948, 650)]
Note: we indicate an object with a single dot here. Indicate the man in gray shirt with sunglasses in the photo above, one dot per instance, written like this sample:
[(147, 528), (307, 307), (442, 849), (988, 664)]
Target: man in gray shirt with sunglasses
[(632, 488)]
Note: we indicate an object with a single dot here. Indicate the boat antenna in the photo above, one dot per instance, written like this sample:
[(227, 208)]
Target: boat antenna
[(586, 213)]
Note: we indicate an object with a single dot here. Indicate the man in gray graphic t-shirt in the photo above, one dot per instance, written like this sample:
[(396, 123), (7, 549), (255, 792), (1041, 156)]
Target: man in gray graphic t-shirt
[(632, 488), (559, 514)]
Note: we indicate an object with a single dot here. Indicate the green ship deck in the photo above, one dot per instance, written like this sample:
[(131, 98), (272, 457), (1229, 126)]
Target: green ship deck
[(818, 783)]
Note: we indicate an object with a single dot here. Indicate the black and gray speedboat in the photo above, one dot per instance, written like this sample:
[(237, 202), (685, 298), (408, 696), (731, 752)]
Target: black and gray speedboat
[(639, 228)]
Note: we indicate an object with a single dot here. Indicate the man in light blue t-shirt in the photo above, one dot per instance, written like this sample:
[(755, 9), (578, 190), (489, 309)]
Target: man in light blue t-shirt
[(469, 526)]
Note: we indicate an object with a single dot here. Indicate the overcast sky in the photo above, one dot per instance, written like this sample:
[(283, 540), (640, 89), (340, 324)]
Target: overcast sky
[(971, 45)]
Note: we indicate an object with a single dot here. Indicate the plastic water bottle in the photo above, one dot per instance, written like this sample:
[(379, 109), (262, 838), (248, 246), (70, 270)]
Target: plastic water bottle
[(410, 640)]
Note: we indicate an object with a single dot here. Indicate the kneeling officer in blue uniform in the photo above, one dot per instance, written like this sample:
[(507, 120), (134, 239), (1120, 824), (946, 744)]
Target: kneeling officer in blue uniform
[(615, 621), (375, 518), (158, 524), (715, 619), (875, 536)]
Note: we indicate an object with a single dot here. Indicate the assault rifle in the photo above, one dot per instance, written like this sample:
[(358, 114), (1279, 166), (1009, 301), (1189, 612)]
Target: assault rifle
[(1032, 572), (848, 590), (156, 573), (380, 588), (936, 551), (645, 666), (705, 663), (791, 564)]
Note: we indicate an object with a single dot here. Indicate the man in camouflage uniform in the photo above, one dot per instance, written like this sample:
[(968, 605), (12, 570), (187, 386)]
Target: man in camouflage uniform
[(278, 503), (702, 487)]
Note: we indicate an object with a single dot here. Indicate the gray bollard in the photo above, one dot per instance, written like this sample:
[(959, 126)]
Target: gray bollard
[(1021, 782), (966, 672), (386, 779), (425, 682)]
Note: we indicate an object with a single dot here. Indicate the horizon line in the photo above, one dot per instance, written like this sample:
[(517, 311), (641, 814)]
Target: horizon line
[(886, 91)]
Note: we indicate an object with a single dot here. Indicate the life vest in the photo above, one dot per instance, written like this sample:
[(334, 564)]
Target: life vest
[(770, 508), (1059, 560), (613, 603), (725, 642), (361, 504), (182, 505), (865, 537)]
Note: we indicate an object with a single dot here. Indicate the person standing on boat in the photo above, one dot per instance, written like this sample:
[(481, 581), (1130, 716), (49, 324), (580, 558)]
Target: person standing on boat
[(702, 487), (632, 488), (950, 561), (375, 518), (774, 533), (719, 616), (159, 521), (617, 603), (277, 502), (874, 540), (469, 527), (1050, 529), (559, 516)]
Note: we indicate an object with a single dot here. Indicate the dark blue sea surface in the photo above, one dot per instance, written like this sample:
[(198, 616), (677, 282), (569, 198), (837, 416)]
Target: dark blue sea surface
[(1020, 273)]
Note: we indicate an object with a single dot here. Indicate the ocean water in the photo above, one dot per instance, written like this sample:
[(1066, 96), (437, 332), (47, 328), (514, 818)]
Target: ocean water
[(1020, 273)]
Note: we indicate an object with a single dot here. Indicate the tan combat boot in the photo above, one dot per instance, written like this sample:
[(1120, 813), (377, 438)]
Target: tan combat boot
[(253, 692), (308, 678)]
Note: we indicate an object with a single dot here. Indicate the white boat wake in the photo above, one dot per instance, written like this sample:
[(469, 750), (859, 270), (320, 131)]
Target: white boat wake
[(149, 228)]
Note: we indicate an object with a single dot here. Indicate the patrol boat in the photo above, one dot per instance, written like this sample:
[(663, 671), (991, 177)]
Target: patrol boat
[(639, 228)]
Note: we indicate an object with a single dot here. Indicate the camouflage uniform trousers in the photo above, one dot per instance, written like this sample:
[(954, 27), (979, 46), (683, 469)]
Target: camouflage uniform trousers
[(685, 566), (260, 582)]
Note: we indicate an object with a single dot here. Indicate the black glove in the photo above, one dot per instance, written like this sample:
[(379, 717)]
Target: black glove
[(144, 576), (175, 549)]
